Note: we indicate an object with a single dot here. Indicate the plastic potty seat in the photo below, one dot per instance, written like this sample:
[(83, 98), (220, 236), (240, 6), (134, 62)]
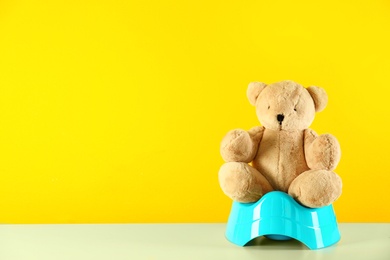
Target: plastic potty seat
[(278, 216)]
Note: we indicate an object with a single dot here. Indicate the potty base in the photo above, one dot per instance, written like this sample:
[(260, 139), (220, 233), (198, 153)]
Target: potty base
[(278, 216)]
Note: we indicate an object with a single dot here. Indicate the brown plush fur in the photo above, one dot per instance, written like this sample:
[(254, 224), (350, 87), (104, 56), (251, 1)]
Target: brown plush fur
[(285, 154)]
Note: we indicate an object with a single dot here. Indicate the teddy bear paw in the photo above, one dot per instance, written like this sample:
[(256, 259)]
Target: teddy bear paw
[(242, 183), (237, 146), (324, 153), (316, 188)]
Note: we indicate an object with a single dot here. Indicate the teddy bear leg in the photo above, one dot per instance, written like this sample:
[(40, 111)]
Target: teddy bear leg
[(316, 188), (243, 183)]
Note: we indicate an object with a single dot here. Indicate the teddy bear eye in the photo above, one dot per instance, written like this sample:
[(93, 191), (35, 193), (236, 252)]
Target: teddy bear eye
[(295, 109)]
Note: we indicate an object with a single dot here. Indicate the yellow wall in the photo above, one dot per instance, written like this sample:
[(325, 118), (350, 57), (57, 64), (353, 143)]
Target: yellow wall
[(113, 111)]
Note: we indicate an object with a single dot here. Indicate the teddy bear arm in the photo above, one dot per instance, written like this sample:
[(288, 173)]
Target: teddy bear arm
[(240, 145), (321, 152)]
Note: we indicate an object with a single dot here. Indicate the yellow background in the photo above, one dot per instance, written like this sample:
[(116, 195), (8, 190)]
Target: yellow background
[(113, 111)]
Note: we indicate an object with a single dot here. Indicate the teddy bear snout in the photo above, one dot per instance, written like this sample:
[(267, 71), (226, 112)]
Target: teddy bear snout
[(280, 118)]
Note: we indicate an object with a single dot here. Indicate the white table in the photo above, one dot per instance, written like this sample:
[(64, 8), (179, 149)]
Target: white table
[(177, 241)]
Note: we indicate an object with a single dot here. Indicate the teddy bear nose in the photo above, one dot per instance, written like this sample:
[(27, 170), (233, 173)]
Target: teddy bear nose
[(280, 118)]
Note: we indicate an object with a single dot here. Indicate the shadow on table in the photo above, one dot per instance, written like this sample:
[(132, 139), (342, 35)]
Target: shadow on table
[(268, 244)]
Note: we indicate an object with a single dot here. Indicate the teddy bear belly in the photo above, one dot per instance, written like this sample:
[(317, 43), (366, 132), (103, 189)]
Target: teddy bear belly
[(281, 158)]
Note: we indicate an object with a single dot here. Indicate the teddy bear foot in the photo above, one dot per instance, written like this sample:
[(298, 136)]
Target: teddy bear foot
[(242, 183), (316, 188)]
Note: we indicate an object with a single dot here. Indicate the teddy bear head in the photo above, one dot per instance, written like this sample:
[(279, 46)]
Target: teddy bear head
[(286, 105)]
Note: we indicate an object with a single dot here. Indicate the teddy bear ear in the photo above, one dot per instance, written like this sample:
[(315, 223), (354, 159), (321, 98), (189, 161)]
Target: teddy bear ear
[(319, 96), (254, 90)]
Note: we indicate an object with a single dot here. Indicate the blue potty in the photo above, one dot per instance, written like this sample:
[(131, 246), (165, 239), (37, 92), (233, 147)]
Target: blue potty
[(279, 217)]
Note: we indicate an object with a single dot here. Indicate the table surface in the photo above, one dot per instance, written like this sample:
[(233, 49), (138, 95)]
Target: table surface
[(177, 241)]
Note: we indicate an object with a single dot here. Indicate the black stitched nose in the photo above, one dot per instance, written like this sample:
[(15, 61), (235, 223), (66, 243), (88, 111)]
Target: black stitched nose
[(280, 118)]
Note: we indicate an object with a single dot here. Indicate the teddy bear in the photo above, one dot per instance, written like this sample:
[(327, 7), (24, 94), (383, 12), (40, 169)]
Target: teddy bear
[(283, 154)]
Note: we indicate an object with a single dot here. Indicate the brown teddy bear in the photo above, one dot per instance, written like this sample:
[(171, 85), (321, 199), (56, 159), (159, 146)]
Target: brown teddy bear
[(283, 154)]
